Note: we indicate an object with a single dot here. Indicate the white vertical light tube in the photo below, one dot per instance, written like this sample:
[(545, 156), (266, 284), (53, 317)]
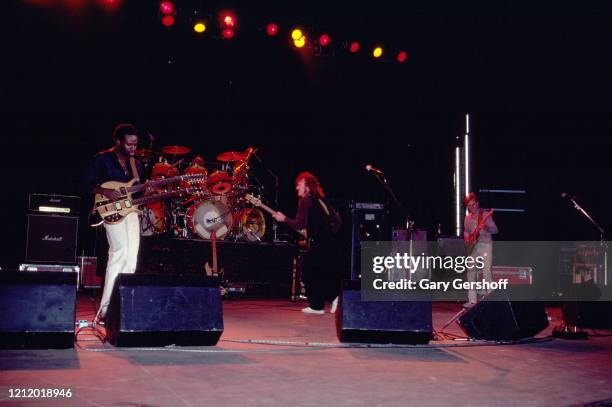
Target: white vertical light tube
[(466, 148), (457, 192)]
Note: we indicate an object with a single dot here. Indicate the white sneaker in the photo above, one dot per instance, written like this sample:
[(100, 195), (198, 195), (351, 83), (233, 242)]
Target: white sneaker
[(334, 306), (309, 310)]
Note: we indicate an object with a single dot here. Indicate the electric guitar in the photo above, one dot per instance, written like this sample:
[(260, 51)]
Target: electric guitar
[(257, 202), (112, 212), (471, 241)]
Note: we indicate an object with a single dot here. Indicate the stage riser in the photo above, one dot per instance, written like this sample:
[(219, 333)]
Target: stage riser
[(242, 262)]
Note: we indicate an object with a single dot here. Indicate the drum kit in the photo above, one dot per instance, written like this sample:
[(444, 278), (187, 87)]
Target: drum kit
[(220, 209)]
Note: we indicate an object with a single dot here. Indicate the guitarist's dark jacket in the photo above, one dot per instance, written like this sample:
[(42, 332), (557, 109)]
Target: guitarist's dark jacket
[(105, 167)]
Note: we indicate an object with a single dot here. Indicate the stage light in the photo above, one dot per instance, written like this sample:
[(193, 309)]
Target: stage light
[(299, 43), (354, 47), (168, 21), (296, 34), (402, 56), (166, 7), (228, 33), (199, 27), (272, 29), (377, 53), (324, 40), (229, 20)]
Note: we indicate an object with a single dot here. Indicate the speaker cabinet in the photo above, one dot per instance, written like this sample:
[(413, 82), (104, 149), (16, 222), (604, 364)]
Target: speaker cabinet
[(37, 310), (496, 318), (382, 321), (156, 310), (51, 239)]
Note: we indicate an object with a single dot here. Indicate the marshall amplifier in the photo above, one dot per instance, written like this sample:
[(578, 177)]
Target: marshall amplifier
[(59, 204), (51, 239)]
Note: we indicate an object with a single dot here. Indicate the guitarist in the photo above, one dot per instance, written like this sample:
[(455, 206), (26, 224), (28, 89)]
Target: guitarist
[(319, 220), (478, 227), (117, 164)]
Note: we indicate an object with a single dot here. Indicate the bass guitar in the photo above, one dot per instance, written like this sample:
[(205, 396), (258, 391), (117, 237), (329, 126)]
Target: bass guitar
[(113, 211), (257, 202), (471, 241)]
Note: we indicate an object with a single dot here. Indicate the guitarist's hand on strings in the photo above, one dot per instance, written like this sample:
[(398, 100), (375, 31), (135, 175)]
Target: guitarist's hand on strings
[(111, 194)]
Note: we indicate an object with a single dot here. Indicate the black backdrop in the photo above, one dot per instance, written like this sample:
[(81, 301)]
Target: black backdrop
[(534, 79)]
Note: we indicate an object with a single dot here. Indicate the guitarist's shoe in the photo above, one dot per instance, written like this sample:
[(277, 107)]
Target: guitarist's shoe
[(309, 310)]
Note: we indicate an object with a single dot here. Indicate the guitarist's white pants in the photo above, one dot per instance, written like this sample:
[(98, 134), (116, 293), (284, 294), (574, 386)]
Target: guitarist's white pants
[(473, 274), (123, 243)]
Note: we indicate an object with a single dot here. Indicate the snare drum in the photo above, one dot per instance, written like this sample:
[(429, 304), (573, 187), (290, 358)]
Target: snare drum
[(205, 216)]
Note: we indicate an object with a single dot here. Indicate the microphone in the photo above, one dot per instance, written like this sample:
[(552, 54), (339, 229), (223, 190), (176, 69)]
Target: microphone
[(373, 169), (568, 196)]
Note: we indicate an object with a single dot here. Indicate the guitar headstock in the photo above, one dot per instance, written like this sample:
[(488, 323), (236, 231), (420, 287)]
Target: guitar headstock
[(194, 178), (253, 200)]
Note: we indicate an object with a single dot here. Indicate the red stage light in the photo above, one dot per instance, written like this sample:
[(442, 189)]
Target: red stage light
[(272, 29), (228, 33), (228, 20), (168, 21), (166, 7), (402, 56), (354, 47), (324, 40)]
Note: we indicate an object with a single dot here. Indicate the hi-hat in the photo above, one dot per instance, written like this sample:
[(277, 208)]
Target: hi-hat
[(175, 150), (230, 156)]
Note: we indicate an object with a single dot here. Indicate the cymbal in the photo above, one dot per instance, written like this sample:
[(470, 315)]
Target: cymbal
[(175, 150), (230, 156), (146, 153)]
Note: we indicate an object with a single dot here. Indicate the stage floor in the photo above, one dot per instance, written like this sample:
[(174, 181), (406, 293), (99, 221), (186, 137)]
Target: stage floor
[(305, 365)]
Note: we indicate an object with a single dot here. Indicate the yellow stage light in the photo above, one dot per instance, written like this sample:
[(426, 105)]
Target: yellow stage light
[(378, 51), (296, 34), (199, 27)]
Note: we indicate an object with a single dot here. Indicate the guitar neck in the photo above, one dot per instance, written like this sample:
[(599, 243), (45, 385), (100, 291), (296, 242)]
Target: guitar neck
[(157, 197), (156, 183), (267, 209)]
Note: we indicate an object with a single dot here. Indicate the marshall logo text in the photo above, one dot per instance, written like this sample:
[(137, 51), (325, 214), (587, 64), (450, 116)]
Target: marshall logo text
[(47, 238)]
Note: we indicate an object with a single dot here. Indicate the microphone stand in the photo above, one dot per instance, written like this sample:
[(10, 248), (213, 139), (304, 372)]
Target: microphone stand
[(381, 178), (602, 235), (276, 188)]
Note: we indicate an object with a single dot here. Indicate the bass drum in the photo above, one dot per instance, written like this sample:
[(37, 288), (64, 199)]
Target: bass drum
[(153, 219), (205, 216), (253, 224)]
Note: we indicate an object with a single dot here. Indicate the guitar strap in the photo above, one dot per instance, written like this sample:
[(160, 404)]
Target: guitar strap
[(134, 170)]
